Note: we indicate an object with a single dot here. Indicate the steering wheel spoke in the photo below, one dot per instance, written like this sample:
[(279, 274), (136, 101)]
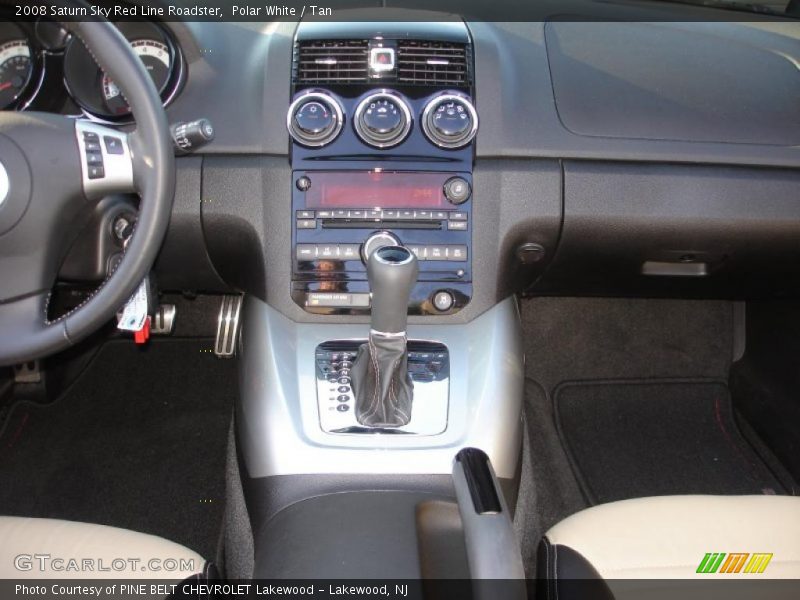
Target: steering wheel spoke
[(107, 165)]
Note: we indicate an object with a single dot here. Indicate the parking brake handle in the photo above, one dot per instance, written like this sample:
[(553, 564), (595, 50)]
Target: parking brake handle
[(492, 549)]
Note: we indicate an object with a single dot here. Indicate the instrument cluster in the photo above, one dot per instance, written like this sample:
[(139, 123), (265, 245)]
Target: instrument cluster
[(43, 67), (20, 66)]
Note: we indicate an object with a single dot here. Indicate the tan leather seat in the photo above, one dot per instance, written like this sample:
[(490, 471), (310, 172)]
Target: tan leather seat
[(52, 549), (667, 537)]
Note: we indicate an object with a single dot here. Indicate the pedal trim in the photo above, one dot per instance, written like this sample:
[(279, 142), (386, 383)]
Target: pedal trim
[(228, 326)]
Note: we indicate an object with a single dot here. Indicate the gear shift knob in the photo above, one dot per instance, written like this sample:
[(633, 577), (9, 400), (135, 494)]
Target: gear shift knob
[(382, 385), (392, 272)]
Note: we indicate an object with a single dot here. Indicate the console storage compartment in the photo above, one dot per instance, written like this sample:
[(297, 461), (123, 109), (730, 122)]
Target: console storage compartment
[(363, 534)]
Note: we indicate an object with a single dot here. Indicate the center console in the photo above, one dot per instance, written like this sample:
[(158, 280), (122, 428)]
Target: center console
[(340, 419), (382, 131)]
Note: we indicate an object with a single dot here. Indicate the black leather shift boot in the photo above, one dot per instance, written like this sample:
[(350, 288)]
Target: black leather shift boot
[(381, 382)]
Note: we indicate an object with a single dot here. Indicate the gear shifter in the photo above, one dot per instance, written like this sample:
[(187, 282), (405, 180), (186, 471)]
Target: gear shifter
[(382, 385)]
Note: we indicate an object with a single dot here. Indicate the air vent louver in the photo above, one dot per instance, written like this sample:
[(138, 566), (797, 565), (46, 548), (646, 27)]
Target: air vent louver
[(334, 61), (432, 63)]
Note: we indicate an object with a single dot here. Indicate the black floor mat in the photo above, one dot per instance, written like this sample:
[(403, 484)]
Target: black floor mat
[(138, 442), (645, 438)]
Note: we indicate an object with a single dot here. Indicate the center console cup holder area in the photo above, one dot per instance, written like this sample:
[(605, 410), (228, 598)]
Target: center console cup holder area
[(401, 534)]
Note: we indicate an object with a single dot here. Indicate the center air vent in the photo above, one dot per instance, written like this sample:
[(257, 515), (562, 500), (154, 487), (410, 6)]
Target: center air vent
[(432, 63), (335, 61), (417, 62)]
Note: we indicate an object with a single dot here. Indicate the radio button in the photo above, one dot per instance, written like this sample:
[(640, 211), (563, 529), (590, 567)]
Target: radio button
[(456, 190), (406, 214), (349, 251), (458, 216), (443, 301), (421, 252), (306, 224), (357, 214), (422, 215), (305, 214), (325, 214), (374, 214), (327, 251), (457, 225), (391, 214), (340, 214), (457, 253), (306, 251), (437, 252), (440, 215)]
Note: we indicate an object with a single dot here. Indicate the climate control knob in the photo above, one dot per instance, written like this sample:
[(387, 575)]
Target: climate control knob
[(382, 120), (450, 121), (315, 119)]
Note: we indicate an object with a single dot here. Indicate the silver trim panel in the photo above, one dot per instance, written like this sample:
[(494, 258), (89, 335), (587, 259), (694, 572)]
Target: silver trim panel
[(118, 168), (277, 417)]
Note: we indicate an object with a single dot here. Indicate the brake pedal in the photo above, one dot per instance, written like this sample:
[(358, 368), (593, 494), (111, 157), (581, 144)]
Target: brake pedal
[(228, 326)]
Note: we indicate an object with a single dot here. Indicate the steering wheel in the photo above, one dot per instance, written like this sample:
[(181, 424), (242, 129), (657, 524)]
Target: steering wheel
[(48, 188)]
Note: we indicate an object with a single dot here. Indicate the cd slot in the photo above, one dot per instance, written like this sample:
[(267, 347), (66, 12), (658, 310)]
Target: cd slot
[(372, 223)]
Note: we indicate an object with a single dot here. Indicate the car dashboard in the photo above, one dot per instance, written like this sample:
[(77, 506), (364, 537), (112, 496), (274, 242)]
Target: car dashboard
[(645, 158), (429, 285)]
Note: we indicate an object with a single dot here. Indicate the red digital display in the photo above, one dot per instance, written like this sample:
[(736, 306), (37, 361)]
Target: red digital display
[(376, 189)]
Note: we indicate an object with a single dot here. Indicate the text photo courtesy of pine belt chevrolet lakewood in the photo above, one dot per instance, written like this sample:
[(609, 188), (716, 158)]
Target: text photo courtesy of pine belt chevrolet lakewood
[(432, 299)]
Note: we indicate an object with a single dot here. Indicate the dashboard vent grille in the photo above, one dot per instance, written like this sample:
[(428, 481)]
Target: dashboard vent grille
[(433, 63), (334, 61)]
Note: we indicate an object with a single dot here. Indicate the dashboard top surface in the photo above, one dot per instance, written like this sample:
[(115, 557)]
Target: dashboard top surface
[(689, 92), (535, 105)]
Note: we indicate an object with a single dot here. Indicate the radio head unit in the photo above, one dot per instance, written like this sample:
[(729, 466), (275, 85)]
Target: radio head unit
[(342, 216)]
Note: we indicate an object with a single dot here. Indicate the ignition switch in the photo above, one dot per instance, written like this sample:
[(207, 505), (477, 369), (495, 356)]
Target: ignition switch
[(123, 228)]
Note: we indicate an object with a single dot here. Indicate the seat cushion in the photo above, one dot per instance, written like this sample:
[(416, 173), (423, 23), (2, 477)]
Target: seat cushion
[(668, 537), (53, 549)]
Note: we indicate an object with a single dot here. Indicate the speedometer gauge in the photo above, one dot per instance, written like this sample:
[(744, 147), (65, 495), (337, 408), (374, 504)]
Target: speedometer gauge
[(99, 96), (15, 71), (157, 60)]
